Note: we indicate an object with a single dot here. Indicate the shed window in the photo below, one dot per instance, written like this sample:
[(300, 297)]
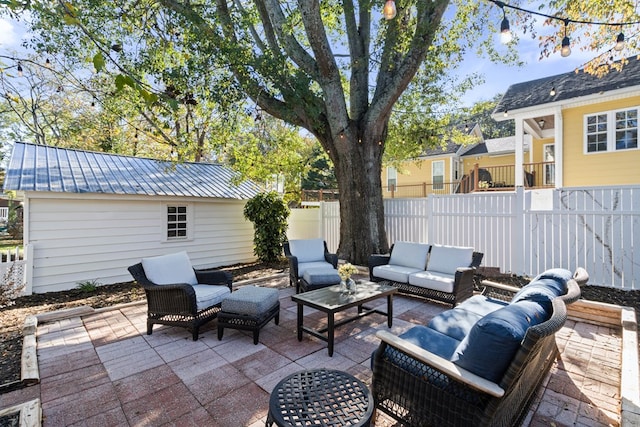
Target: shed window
[(611, 131), (177, 223)]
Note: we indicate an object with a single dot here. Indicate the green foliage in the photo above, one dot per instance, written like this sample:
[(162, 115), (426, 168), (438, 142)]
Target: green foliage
[(15, 220), (269, 214), (321, 173), (88, 286)]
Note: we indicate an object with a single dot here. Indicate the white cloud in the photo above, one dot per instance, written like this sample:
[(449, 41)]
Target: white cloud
[(9, 37)]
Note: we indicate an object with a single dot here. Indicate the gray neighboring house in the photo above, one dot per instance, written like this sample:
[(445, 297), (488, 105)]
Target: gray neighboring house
[(89, 215)]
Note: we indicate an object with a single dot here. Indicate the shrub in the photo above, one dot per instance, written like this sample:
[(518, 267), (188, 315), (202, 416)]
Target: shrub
[(88, 286), (268, 213)]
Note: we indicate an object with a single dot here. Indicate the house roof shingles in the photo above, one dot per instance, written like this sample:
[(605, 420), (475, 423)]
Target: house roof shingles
[(44, 168), (568, 86)]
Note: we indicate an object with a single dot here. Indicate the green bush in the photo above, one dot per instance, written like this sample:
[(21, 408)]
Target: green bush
[(268, 213)]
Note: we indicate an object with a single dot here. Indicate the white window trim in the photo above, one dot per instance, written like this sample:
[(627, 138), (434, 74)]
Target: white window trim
[(553, 166), (611, 131), (190, 223), (392, 173), (433, 182)]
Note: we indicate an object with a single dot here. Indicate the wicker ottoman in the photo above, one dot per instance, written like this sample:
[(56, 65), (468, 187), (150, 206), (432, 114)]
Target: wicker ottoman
[(316, 278), (249, 308)]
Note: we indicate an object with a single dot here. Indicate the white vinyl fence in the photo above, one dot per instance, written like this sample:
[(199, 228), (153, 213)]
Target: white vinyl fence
[(522, 232), (15, 271)]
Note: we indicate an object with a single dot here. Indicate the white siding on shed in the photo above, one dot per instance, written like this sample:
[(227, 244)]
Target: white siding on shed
[(78, 238)]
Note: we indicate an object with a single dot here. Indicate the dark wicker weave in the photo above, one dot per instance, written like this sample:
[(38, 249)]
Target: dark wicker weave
[(462, 286), (247, 322), (175, 305), (421, 394), (320, 397), (294, 278)]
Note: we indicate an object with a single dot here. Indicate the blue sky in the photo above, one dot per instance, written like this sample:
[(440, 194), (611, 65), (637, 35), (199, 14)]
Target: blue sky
[(497, 77)]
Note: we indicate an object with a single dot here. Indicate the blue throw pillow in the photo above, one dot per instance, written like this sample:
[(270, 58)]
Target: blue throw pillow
[(560, 275), (542, 291), (493, 342)]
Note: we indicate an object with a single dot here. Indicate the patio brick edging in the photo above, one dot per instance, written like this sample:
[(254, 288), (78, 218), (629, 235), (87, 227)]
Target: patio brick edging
[(625, 318)]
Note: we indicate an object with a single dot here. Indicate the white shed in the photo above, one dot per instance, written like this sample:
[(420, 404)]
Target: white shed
[(89, 215)]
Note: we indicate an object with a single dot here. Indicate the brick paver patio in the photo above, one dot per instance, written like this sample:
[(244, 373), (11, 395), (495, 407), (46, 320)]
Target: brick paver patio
[(103, 370)]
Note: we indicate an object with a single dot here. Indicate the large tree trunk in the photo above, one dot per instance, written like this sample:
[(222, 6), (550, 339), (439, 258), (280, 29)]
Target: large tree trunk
[(358, 169)]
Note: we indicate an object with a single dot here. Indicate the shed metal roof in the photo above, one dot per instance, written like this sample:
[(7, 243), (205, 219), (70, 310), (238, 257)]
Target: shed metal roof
[(568, 86), (52, 169)]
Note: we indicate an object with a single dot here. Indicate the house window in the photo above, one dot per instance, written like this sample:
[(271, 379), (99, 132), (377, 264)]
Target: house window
[(611, 131), (437, 174), (392, 178), (177, 222)]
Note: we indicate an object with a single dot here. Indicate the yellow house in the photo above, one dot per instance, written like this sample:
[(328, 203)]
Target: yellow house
[(583, 129), (436, 171)]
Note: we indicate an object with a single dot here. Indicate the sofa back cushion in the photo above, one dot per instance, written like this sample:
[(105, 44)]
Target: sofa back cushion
[(169, 269), (447, 259), (492, 343), (409, 254), (307, 250)]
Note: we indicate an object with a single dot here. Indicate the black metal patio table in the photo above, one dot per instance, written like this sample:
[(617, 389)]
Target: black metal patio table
[(320, 397), (332, 300)]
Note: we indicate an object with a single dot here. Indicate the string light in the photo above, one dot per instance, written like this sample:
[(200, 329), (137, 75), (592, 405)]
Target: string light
[(552, 92), (566, 42), (20, 73), (505, 31), (565, 50), (619, 42), (389, 10), (47, 63)]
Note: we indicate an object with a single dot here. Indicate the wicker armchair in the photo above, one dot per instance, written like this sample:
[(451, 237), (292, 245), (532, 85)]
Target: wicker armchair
[(176, 304), (419, 388), (297, 266)]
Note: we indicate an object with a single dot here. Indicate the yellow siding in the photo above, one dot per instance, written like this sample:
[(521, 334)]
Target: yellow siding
[(414, 178), (538, 149), (609, 168)]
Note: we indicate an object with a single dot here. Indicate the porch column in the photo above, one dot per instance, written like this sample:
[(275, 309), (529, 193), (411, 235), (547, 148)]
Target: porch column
[(558, 148), (519, 172)]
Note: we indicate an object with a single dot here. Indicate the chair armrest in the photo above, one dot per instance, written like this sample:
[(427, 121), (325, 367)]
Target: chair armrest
[(448, 368), (214, 277), (331, 259), (176, 298), (376, 260)]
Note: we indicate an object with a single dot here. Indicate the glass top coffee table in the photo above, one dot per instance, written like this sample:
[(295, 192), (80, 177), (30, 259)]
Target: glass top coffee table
[(332, 300)]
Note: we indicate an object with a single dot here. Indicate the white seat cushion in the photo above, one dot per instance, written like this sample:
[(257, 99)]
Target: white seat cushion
[(433, 280), (396, 273), (169, 269), (303, 267), (307, 250), (409, 254), (447, 259), (209, 295)]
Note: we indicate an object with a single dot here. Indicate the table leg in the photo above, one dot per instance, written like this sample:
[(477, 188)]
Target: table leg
[(300, 319), (330, 332), (389, 310)]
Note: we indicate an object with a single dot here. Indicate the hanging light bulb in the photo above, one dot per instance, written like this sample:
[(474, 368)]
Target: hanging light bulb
[(505, 31), (566, 43), (47, 63), (389, 11), (619, 42), (552, 92), (20, 74)]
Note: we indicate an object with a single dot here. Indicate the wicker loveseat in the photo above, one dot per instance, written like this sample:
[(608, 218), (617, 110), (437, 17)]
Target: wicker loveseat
[(438, 272), (479, 364), (177, 294)]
